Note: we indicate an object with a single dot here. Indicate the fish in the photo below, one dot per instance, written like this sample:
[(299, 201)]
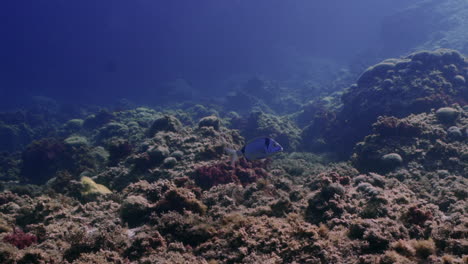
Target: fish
[(257, 148)]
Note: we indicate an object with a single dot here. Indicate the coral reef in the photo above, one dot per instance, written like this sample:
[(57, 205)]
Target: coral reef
[(397, 87), (176, 198), (156, 186)]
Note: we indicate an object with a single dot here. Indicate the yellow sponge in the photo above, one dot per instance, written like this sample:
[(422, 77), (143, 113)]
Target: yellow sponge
[(92, 188)]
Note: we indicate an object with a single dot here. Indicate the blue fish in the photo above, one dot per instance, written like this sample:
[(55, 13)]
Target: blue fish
[(258, 148)]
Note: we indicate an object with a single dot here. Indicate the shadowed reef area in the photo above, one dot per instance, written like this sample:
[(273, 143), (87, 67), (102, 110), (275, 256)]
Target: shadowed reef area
[(374, 173)]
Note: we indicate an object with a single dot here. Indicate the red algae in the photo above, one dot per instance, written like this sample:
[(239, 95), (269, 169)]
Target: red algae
[(20, 239), (223, 173)]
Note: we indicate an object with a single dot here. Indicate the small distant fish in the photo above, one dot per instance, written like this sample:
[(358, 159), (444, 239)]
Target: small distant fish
[(258, 148)]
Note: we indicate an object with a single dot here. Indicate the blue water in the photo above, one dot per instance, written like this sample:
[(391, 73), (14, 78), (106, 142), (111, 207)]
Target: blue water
[(101, 51)]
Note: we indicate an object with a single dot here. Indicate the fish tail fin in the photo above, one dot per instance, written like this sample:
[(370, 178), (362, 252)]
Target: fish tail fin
[(234, 154)]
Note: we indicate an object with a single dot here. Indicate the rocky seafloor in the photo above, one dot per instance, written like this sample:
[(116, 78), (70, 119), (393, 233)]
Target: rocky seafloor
[(155, 186)]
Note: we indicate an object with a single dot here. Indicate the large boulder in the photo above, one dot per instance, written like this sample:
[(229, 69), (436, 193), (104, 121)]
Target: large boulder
[(165, 123), (398, 87)]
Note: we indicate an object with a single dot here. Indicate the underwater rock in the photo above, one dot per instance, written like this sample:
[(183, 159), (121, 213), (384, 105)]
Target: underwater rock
[(144, 115), (113, 129), (100, 155), (447, 114), (432, 160), (199, 111), (98, 120), (152, 191), (208, 176), (281, 207), (377, 234), (378, 69), (4, 227), (76, 141), (20, 127), (35, 211), (188, 228), (180, 199), (7, 254), (416, 216), (144, 241), (298, 208), (118, 149), (169, 162), (222, 173), (67, 184), (373, 96), (326, 204), (454, 133), (142, 161), (14, 137), (392, 160), (42, 159), (177, 154), (415, 250), (459, 80), (210, 121), (372, 178), (9, 167), (158, 153), (424, 248), (368, 189), (422, 139), (316, 118), (390, 126), (135, 209), (166, 123), (91, 189), (73, 125)]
